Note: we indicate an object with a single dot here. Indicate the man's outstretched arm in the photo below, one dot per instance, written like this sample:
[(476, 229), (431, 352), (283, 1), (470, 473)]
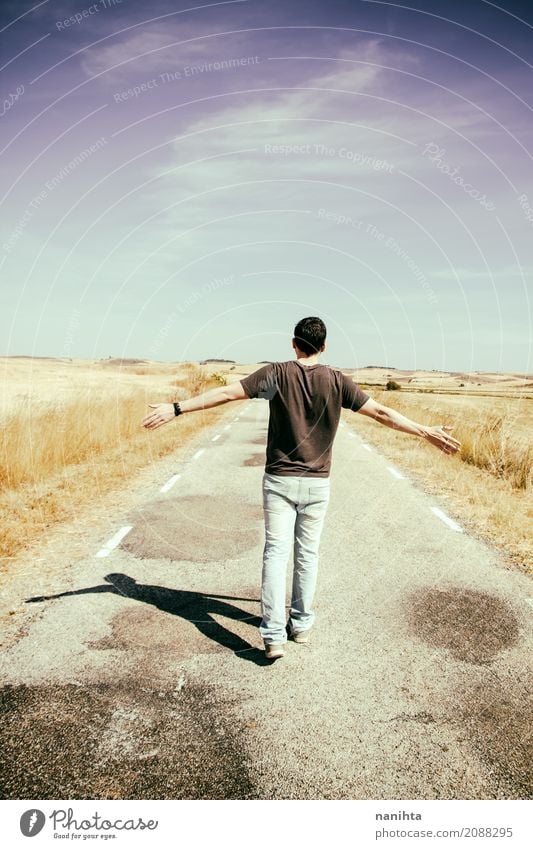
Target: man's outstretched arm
[(162, 413), (435, 434)]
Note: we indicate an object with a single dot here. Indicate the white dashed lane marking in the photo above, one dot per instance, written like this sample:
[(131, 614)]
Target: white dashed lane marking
[(114, 541), (170, 483), (440, 513), (215, 438), (198, 454)]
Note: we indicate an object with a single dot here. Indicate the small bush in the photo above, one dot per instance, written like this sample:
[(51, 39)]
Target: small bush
[(391, 384), (220, 379), (191, 379)]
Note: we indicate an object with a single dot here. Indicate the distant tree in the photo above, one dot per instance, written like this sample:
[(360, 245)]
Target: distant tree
[(391, 384)]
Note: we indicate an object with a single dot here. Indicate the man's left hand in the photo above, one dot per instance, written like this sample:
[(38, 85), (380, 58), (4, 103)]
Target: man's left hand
[(160, 415)]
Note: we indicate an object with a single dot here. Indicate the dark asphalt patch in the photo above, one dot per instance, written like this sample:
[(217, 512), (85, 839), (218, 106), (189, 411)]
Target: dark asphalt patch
[(496, 718), (195, 528), (255, 460), (473, 626), (123, 741)]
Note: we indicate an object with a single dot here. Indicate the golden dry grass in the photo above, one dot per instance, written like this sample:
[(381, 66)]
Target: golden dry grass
[(493, 437), (488, 483), (56, 457)]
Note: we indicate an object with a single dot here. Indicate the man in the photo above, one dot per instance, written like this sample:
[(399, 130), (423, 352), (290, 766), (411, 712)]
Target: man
[(305, 398)]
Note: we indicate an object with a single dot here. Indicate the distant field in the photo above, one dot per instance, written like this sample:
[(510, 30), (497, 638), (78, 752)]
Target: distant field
[(71, 428), (48, 381)]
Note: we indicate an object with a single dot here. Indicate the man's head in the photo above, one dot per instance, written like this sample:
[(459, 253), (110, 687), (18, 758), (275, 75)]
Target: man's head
[(310, 336)]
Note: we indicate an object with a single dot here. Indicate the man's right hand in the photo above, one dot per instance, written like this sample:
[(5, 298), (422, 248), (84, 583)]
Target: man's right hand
[(438, 436)]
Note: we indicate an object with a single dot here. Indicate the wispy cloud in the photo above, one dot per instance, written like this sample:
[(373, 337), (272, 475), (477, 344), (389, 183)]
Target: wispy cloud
[(146, 51), (465, 274)]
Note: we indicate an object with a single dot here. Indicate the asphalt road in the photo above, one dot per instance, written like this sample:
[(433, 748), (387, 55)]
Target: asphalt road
[(140, 674)]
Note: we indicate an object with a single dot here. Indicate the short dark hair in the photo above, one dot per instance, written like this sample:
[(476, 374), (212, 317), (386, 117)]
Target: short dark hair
[(310, 334)]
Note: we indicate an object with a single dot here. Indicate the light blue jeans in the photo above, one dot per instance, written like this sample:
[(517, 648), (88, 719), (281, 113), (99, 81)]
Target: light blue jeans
[(295, 509)]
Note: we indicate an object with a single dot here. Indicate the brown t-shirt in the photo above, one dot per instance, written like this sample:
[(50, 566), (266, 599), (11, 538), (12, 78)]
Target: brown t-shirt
[(305, 409)]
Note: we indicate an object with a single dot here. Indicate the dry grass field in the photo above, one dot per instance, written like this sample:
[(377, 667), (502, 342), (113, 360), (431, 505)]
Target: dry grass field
[(72, 431)]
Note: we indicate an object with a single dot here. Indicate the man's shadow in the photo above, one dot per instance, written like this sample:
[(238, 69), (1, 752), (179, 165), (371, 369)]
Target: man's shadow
[(197, 608)]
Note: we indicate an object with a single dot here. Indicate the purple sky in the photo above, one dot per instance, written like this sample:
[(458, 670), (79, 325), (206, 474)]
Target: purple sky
[(185, 180)]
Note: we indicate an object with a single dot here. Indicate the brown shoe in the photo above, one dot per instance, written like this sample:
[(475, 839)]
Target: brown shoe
[(301, 636), (274, 650)]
